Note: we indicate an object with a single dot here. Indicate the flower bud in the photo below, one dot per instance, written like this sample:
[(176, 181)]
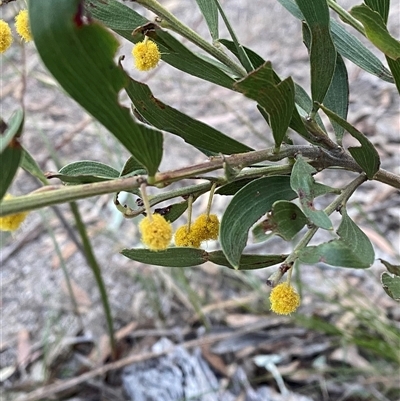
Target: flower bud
[(146, 55), (5, 36), (284, 299), (156, 232)]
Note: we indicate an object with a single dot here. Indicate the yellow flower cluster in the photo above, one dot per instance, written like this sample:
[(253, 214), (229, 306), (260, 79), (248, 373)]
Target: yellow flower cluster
[(12, 221), (284, 299), (156, 232), (146, 55), (5, 36), (21, 26), (204, 228)]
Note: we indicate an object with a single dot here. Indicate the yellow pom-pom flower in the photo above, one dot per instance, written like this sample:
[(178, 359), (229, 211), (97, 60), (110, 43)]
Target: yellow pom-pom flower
[(206, 227), (156, 232), (5, 36), (184, 237), (22, 25), (284, 299), (12, 221), (146, 55)]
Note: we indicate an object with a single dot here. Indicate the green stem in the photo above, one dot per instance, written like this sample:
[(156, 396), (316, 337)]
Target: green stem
[(92, 262), (346, 16), (176, 25)]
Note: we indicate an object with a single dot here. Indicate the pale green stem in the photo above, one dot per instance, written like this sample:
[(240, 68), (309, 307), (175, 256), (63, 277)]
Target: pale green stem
[(145, 200), (210, 199), (190, 210), (176, 25), (346, 16)]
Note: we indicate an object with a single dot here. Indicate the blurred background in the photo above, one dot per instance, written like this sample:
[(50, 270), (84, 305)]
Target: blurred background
[(342, 344)]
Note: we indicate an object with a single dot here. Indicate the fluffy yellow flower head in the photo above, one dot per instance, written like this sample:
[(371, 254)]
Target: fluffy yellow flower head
[(12, 221), (5, 36), (22, 25), (183, 237), (156, 232), (146, 55), (206, 227), (284, 299)]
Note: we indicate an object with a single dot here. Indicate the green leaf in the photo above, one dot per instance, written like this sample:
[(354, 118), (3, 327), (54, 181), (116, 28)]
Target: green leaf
[(394, 66), (286, 220), (376, 31), (14, 129), (9, 162), (242, 55), (80, 56), (247, 262), (303, 183), (276, 99), (239, 217), (391, 285), (232, 187), (348, 46), (352, 249), (187, 257), (123, 20), (171, 257), (29, 164), (337, 97), (394, 269), (366, 156), (132, 167), (381, 6), (174, 211), (255, 59), (322, 49), (210, 13), (86, 171), (301, 97), (194, 132)]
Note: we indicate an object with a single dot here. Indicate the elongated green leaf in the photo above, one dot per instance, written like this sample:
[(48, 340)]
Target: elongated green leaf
[(301, 97), (352, 249), (391, 285), (366, 155), (394, 269), (242, 55), (247, 262), (232, 187), (239, 217), (376, 31), (210, 13), (187, 257), (276, 99), (322, 49), (86, 171), (80, 56), (303, 183), (194, 132), (394, 66), (171, 257), (9, 162), (255, 59), (29, 164), (132, 167), (337, 97), (14, 129), (123, 20), (381, 6), (348, 46)]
